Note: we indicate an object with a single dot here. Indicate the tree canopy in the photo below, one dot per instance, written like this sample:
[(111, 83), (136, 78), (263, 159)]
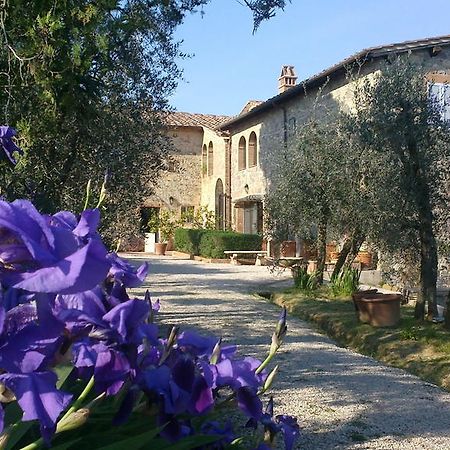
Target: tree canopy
[(379, 171), (86, 84)]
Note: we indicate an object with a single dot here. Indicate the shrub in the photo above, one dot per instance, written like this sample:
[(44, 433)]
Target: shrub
[(303, 280), (187, 240), (346, 283), (214, 242)]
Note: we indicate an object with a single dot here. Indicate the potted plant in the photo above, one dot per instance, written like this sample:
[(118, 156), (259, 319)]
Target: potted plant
[(167, 225)]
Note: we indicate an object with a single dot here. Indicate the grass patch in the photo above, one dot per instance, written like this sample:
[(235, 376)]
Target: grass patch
[(420, 348)]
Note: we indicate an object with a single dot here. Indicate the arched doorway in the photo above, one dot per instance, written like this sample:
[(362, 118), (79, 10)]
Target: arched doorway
[(220, 205)]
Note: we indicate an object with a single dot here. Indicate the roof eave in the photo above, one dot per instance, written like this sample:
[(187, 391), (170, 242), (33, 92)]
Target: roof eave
[(363, 55)]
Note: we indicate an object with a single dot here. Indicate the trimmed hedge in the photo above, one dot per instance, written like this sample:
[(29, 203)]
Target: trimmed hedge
[(212, 243), (187, 240)]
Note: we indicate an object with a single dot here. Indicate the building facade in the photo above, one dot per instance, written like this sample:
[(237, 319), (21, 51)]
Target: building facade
[(225, 164)]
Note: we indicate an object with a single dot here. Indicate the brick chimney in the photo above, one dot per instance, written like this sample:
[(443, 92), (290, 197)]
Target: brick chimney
[(287, 79)]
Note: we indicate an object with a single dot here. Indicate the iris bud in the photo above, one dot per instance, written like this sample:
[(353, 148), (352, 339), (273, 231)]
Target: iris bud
[(171, 340), (275, 345), (172, 337), (216, 352), (74, 420), (281, 327), (4, 439), (6, 396), (269, 380)]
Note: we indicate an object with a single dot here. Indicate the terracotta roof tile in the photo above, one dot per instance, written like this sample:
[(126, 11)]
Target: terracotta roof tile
[(184, 119), (250, 105)]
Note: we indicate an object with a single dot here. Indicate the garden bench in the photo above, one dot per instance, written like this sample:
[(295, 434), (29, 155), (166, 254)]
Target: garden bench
[(234, 254)]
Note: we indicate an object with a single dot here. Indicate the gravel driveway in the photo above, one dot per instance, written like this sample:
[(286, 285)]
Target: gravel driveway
[(342, 400)]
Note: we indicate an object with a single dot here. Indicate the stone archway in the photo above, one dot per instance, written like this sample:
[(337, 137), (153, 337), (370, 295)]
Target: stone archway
[(220, 205)]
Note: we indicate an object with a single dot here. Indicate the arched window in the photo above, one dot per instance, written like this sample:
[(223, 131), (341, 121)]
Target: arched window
[(204, 160), (252, 150), (210, 159), (242, 161)]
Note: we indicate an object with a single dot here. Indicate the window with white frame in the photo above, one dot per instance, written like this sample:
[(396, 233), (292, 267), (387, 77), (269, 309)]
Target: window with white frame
[(440, 97)]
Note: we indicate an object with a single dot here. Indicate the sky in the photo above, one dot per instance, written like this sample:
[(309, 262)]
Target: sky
[(229, 65)]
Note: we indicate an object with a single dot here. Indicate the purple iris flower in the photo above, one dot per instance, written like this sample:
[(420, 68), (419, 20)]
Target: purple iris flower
[(81, 309), (174, 428), (47, 259), (125, 273), (13, 297), (192, 342), (290, 430), (249, 402), (30, 348), (238, 373), (112, 370), (7, 144), (125, 318), (217, 429), (38, 398)]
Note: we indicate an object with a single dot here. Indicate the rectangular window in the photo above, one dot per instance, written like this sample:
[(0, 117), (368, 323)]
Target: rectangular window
[(440, 97)]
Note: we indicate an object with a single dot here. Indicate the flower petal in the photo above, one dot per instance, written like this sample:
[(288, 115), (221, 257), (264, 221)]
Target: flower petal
[(81, 271), (249, 402), (37, 395)]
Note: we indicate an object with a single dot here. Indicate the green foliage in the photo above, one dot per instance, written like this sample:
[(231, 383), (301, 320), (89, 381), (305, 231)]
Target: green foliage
[(406, 141), (187, 240), (167, 224), (85, 84), (303, 280), (214, 242), (346, 282), (419, 347), (152, 224)]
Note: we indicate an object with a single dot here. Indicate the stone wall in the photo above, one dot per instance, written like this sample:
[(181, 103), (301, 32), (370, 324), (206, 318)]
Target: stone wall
[(181, 184), (209, 182), (275, 128)]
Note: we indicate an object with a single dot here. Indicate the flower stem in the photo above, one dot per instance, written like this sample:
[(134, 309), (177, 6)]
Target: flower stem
[(265, 363), (76, 404), (79, 401)]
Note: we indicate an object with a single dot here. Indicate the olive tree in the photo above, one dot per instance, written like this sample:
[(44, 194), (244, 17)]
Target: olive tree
[(316, 189), (407, 149)]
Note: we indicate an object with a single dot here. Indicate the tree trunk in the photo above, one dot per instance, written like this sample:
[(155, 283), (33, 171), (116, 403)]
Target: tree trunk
[(349, 251), (321, 245), (428, 273), (447, 313), (357, 241), (428, 247)]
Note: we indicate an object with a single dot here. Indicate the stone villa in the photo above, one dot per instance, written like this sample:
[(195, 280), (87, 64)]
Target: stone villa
[(224, 163)]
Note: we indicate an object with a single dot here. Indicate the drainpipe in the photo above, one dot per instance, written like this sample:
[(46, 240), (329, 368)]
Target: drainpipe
[(285, 128), (228, 182)]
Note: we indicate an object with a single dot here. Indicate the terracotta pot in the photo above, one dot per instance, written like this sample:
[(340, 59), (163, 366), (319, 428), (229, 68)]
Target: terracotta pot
[(288, 248), (311, 267), (334, 255), (360, 307), (383, 310), (160, 248), (365, 258)]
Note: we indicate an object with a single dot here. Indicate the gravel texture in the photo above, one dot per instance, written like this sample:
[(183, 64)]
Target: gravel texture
[(342, 400)]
